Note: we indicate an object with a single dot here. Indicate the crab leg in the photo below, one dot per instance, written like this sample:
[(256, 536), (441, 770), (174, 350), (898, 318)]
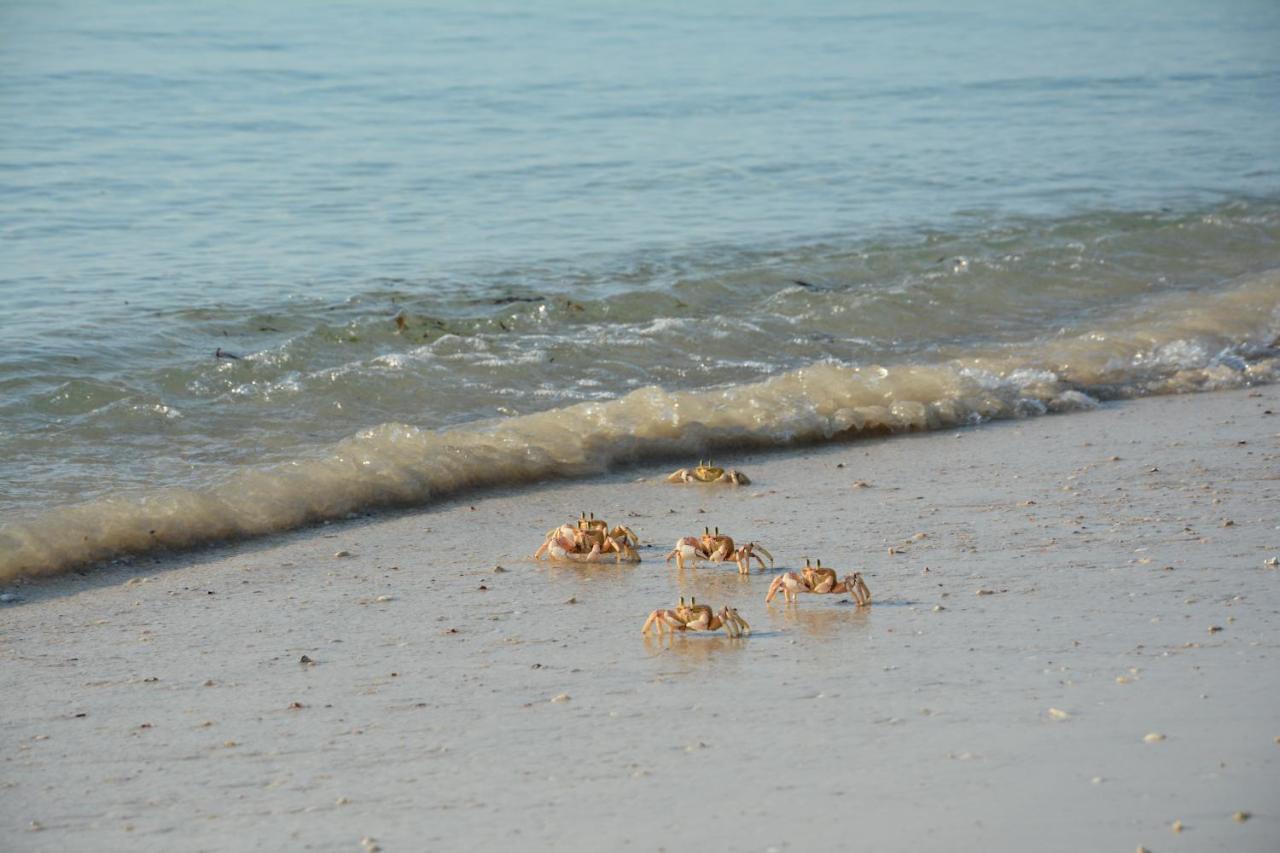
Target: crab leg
[(653, 618), (861, 593), (735, 625)]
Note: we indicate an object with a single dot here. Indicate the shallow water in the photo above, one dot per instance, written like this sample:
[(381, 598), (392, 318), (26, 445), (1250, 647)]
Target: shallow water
[(455, 245)]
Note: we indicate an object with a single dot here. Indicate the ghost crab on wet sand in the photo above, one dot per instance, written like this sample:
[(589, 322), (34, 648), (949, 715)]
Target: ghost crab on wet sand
[(588, 541), (707, 472), (818, 580), (718, 548), (697, 617), (598, 528)]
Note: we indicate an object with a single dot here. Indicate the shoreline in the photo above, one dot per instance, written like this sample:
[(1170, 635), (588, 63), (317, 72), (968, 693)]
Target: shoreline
[(428, 716)]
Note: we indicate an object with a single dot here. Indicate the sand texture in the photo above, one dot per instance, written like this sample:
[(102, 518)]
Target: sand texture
[(1050, 596)]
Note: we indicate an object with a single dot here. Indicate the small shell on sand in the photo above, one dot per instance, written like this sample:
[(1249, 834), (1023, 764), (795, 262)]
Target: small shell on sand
[(1176, 826), (1153, 737), (562, 697), (1241, 817), (340, 554), (1059, 714)]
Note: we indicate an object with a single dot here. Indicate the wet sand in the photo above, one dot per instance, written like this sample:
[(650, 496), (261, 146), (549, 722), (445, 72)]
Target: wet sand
[(1060, 589)]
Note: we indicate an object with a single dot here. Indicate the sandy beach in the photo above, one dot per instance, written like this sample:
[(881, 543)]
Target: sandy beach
[(1071, 647)]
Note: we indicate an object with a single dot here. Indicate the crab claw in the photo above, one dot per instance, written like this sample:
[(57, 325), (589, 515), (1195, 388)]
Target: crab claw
[(734, 625)]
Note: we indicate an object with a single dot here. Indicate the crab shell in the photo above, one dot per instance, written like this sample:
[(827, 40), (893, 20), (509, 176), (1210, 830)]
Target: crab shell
[(705, 472)]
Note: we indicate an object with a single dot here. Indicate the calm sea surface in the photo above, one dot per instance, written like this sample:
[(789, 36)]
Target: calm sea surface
[(461, 243)]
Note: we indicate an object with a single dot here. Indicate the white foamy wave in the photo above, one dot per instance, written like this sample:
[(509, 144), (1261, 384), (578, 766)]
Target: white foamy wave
[(1187, 343)]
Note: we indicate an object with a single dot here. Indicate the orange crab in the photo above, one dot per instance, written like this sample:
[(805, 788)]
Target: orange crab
[(600, 527), (571, 543), (707, 472), (697, 617), (719, 547), (818, 580)]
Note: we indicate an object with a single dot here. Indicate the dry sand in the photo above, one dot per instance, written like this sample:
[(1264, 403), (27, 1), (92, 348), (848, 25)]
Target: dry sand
[(151, 705)]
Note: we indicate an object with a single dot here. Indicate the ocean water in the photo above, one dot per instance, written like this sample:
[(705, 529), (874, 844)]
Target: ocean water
[(461, 244)]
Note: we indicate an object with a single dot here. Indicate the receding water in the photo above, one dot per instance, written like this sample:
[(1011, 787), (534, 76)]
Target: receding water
[(455, 244)]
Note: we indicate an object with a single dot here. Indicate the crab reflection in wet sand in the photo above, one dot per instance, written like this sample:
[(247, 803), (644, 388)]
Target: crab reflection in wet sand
[(818, 580), (706, 472), (697, 617)]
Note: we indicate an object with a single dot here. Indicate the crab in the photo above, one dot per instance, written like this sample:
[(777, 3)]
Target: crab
[(818, 580), (697, 617), (707, 472), (719, 547), (621, 533), (571, 543), (688, 548)]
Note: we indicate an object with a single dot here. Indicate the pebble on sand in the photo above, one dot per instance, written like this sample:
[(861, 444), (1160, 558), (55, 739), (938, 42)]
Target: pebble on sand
[(1176, 826), (1153, 737), (561, 697), (340, 554), (1059, 714), (1241, 817)]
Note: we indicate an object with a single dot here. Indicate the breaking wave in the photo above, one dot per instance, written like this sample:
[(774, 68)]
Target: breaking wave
[(1179, 342)]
